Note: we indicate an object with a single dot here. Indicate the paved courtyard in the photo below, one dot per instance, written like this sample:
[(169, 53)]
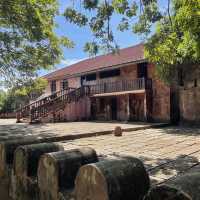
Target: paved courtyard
[(166, 152), (8, 128)]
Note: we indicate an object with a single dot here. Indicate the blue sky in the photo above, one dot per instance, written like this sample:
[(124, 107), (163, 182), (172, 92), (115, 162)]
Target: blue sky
[(81, 35)]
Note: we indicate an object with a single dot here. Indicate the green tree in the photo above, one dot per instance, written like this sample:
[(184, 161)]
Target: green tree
[(18, 96), (171, 33), (27, 39), (2, 98), (175, 46), (7, 102), (32, 88)]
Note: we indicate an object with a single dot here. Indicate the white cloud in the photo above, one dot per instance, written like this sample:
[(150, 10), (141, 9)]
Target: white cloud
[(71, 61)]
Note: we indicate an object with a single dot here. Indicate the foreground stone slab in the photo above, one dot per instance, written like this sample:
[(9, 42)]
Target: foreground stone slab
[(184, 187), (26, 159), (57, 171), (122, 178)]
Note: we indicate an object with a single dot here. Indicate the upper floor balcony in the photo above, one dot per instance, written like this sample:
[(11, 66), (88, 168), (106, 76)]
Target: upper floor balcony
[(121, 86)]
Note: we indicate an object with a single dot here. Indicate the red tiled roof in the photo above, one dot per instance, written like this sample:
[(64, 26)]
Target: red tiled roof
[(126, 55)]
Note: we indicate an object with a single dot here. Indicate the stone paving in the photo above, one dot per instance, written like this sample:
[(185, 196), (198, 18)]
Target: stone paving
[(9, 128), (166, 152)]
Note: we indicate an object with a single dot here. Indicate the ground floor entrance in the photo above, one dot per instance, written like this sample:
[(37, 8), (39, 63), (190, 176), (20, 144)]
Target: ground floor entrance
[(125, 107), (113, 108)]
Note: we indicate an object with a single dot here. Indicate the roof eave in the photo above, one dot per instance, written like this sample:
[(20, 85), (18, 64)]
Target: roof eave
[(109, 67), (98, 70)]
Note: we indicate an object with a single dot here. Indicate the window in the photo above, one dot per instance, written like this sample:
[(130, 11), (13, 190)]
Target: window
[(91, 77), (53, 86), (102, 104), (142, 70), (64, 84), (110, 73), (82, 80)]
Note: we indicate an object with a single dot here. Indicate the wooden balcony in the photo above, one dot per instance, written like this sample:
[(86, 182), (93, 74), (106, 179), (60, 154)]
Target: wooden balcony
[(59, 99), (121, 86)]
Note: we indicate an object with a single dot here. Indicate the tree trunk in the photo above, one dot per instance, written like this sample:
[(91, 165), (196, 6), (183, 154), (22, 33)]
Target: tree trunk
[(57, 171), (119, 179)]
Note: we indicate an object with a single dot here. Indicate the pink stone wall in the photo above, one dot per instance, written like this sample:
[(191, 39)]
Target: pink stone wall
[(75, 111), (190, 105), (137, 107), (189, 96), (7, 115), (48, 88), (160, 97), (74, 82), (122, 112), (129, 72)]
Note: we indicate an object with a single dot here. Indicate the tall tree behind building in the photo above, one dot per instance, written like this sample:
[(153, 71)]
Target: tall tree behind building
[(170, 29), (27, 38)]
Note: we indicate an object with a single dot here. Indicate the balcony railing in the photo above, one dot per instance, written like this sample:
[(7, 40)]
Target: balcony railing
[(121, 85)]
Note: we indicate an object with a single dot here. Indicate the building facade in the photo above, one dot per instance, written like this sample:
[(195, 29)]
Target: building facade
[(120, 86), (189, 95)]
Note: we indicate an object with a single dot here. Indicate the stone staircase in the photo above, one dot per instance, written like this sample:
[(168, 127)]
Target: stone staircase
[(49, 105)]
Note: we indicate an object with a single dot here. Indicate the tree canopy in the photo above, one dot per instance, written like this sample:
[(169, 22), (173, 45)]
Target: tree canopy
[(171, 32), (27, 38), (15, 97)]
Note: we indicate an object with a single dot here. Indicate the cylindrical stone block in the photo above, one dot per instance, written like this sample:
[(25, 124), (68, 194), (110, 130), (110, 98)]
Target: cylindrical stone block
[(26, 159), (185, 187), (7, 149), (57, 171), (121, 178)]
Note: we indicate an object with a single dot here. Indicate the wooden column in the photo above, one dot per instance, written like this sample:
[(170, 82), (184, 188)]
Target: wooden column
[(148, 103), (121, 178), (145, 106), (108, 108), (128, 107)]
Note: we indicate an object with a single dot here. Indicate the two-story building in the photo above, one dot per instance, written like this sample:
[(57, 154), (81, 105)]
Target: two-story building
[(121, 86)]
